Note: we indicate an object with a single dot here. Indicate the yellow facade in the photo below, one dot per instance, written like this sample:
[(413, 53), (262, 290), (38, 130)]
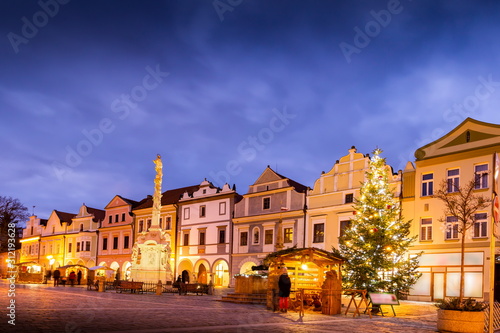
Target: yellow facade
[(330, 201), (463, 154)]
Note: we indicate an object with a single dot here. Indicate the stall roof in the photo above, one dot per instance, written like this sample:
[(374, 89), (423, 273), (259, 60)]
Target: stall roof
[(76, 265), (311, 254), (106, 268)]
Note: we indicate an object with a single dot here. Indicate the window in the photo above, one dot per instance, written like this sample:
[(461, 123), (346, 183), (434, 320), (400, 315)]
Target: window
[(426, 229), (161, 222), (244, 238), (222, 208), (480, 225), (349, 198), (453, 180), (451, 227), (149, 225), (256, 236), (110, 219), (481, 176), (126, 241), (202, 237), (268, 236), (53, 230), (186, 239), (168, 223), (81, 227), (123, 216), (222, 236), (203, 211), (87, 246), (186, 213), (31, 230), (141, 225), (319, 233), (427, 184), (116, 218), (266, 203), (77, 246), (115, 243), (344, 225), (105, 243), (70, 247), (288, 233)]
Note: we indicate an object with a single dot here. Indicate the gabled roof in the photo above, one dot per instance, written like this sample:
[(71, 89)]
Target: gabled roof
[(65, 217), (168, 197), (99, 214), (468, 135), (269, 175), (131, 203)]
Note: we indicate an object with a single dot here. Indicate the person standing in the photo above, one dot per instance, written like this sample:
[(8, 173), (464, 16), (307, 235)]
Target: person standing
[(79, 277), (56, 276), (284, 285), (72, 278)]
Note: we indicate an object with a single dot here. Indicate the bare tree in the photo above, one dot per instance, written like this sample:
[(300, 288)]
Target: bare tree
[(462, 203), (12, 212)]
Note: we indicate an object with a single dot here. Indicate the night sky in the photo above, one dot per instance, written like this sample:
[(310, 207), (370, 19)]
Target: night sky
[(91, 91)]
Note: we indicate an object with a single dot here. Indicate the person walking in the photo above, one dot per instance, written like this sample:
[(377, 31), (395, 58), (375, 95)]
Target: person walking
[(284, 285), (72, 278), (79, 277), (56, 275)]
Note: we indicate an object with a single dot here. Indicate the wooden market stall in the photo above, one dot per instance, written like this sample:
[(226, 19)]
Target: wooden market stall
[(315, 275)]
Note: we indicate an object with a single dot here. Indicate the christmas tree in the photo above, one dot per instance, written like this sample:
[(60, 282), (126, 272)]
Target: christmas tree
[(376, 244)]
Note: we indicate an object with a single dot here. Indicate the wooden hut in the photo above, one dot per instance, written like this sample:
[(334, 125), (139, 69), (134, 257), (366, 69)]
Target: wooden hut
[(315, 275)]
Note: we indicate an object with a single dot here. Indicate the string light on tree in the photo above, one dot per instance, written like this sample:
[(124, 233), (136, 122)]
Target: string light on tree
[(376, 245)]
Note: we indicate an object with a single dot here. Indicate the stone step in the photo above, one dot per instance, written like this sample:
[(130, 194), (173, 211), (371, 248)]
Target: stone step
[(245, 298)]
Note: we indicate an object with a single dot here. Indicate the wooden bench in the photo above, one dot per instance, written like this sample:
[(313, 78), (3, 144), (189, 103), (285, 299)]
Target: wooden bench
[(129, 285), (197, 288)]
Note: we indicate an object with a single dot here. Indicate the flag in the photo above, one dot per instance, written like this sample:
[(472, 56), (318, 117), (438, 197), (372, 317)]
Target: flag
[(496, 216)]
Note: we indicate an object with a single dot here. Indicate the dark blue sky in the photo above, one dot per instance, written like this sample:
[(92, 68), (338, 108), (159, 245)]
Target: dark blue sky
[(91, 91)]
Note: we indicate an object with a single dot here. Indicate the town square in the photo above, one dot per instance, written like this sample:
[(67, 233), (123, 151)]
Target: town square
[(250, 166)]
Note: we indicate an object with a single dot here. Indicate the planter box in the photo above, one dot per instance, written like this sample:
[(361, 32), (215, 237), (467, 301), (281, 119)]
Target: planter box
[(460, 321)]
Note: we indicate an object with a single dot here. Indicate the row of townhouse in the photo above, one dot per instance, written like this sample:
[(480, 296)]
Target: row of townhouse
[(217, 233)]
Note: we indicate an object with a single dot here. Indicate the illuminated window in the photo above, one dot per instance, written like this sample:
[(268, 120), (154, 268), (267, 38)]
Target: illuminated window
[(481, 176), (480, 225), (451, 227), (288, 235), (453, 180), (427, 184), (344, 225), (426, 229), (319, 233)]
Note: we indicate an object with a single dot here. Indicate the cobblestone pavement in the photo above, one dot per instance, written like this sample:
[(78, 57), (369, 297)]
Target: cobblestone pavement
[(44, 308)]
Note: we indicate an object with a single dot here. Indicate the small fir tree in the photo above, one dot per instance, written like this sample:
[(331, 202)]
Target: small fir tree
[(376, 244)]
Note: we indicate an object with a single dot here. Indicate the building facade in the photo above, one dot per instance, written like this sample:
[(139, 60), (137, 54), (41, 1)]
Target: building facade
[(330, 202), (464, 154), (270, 217), (204, 252)]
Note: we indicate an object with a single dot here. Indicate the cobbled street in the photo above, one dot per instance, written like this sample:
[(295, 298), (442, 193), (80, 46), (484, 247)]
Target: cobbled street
[(44, 308)]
